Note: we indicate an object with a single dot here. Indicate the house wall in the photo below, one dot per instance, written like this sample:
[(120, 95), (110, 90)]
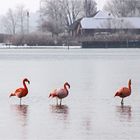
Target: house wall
[(109, 31)]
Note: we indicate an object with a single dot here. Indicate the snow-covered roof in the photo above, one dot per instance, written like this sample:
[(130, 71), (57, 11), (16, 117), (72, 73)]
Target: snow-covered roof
[(103, 14), (91, 23), (102, 21)]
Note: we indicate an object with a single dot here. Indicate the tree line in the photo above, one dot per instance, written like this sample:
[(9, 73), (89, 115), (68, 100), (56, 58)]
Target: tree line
[(123, 8), (57, 15)]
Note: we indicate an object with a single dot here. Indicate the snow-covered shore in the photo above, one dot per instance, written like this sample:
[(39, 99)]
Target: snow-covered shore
[(38, 47)]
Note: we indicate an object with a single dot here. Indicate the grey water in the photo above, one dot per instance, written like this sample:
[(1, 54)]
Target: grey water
[(90, 112)]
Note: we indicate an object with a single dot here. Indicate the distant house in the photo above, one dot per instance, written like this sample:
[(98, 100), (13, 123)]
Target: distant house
[(75, 28), (104, 22)]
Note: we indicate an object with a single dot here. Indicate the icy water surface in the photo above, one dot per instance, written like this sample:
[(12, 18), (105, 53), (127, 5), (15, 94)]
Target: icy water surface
[(90, 112)]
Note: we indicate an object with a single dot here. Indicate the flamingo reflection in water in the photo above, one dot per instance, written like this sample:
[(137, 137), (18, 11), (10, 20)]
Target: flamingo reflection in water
[(61, 112), (21, 112), (125, 112), (59, 109)]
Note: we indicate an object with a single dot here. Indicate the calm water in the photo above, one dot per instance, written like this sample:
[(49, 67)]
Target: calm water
[(90, 112)]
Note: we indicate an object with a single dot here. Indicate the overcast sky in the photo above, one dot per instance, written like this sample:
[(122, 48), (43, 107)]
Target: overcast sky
[(31, 5)]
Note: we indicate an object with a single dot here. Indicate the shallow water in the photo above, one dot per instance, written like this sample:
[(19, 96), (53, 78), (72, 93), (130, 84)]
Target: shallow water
[(89, 112)]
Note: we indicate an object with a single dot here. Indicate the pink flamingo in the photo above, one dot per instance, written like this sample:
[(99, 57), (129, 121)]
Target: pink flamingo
[(21, 92), (124, 91), (60, 93)]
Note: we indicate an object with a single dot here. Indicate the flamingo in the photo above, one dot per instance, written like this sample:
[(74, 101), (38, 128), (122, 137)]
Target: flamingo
[(61, 93), (21, 92), (124, 91)]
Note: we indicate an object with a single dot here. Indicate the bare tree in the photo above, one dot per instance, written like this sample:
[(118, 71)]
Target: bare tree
[(52, 28), (134, 6), (21, 15), (122, 8), (90, 8), (10, 22), (52, 11), (15, 20), (69, 10), (63, 13)]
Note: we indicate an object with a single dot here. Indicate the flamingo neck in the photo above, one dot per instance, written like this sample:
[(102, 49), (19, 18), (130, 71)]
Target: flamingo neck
[(65, 87), (25, 86), (129, 86)]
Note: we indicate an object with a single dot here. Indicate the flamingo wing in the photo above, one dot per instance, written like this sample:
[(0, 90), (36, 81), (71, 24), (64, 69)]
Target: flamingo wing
[(62, 93), (20, 92), (123, 92)]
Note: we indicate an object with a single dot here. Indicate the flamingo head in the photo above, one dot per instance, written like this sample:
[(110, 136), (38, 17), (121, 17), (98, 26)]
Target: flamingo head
[(12, 94), (50, 95), (67, 84), (117, 94), (26, 80)]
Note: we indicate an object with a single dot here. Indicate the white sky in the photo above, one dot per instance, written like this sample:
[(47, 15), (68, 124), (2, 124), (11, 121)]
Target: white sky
[(100, 3), (31, 5)]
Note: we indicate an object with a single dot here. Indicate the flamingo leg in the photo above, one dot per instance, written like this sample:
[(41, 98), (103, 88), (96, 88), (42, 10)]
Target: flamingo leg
[(20, 101), (122, 101), (56, 101), (60, 102)]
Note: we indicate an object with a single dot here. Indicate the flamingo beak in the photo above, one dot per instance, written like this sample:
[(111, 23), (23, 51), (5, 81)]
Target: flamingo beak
[(116, 94), (10, 95), (28, 82)]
